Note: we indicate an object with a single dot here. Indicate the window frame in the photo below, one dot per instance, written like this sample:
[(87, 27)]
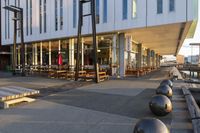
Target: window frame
[(134, 14), (159, 6), (174, 5), (105, 11), (74, 13), (124, 9)]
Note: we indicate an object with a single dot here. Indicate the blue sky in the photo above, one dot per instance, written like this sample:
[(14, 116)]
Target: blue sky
[(186, 49)]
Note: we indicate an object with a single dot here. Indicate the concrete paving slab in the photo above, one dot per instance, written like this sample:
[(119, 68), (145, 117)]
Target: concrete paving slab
[(109, 107), (48, 117), (120, 87)]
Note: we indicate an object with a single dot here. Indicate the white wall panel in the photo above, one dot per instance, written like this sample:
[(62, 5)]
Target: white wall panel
[(145, 17)]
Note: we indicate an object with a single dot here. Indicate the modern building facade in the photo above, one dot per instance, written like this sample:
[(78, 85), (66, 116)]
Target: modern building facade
[(131, 33)]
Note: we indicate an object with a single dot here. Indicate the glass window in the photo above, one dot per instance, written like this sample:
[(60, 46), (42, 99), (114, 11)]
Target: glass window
[(40, 11), (54, 53), (29, 54), (105, 11), (171, 5), (134, 8), (8, 21), (27, 17), (18, 3), (74, 13), (125, 9), (56, 15), (97, 12), (5, 21), (61, 14), (159, 6), (45, 16), (31, 17)]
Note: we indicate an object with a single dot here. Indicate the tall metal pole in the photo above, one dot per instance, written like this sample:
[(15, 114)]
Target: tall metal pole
[(80, 22), (95, 47), (22, 43), (14, 43), (0, 25)]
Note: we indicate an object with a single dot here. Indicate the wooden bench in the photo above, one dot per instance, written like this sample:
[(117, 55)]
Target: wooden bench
[(82, 74), (193, 109), (69, 75), (13, 94), (103, 76), (91, 76), (133, 72)]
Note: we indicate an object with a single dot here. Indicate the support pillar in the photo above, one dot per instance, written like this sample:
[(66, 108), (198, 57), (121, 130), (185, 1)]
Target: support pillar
[(18, 57), (49, 54), (121, 55), (157, 60), (114, 57), (148, 58), (41, 59), (26, 55), (153, 59), (82, 54), (36, 54), (59, 46), (71, 55), (129, 49), (139, 56), (33, 54)]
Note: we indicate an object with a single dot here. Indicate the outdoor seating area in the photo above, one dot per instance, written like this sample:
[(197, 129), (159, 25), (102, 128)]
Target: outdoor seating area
[(63, 72), (140, 71)]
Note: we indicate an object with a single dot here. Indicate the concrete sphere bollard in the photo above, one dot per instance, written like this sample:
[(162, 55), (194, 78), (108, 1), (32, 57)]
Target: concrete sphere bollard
[(150, 125), (165, 90), (167, 82), (160, 105)]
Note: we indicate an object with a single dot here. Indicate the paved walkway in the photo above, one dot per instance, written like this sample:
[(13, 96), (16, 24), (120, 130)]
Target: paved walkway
[(109, 107)]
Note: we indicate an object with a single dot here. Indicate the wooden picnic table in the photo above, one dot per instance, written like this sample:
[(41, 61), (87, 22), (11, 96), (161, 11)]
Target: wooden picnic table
[(14, 94), (102, 75), (56, 73)]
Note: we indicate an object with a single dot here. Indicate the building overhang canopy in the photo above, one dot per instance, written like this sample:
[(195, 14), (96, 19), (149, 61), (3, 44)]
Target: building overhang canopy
[(163, 39)]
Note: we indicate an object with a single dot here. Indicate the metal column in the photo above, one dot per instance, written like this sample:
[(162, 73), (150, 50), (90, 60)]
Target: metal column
[(14, 43), (92, 14)]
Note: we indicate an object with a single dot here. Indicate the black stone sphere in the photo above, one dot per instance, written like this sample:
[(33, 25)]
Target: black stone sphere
[(160, 105), (165, 90), (167, 82), (150, 125)]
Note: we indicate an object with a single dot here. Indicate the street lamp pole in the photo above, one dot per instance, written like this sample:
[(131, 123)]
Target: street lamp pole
[(22, 42), (14, 43), (95, 46), (17, 11)]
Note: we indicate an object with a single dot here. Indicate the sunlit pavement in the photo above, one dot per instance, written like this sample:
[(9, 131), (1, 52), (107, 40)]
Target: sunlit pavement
[(109, 107)]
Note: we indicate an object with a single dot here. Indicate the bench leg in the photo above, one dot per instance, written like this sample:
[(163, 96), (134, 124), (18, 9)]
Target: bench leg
[(6, 104)]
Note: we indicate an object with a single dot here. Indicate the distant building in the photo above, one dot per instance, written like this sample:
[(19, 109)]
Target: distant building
[(194, 59), (180, 59)]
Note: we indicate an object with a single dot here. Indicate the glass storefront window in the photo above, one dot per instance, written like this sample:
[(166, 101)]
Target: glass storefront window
[(144, 54), (29, 54), (45, 53), (130, 56), (54, 53), (64, 50)]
